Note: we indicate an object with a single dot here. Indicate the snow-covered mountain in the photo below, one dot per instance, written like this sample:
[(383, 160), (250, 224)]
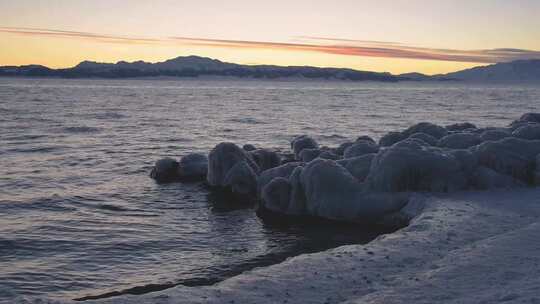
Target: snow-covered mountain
[(515, 71)]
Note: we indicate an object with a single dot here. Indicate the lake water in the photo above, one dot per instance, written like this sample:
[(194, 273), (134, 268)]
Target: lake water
[(79, 215)]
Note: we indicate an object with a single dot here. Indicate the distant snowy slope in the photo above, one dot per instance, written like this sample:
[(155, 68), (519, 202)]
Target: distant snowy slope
[(520, 70)]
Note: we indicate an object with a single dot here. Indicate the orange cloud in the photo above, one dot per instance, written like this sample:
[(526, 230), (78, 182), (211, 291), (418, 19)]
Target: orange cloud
[(362, 48)]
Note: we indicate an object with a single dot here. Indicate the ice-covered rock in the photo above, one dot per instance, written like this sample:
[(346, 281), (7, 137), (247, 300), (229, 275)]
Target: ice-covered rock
[(265, 158), (524, 120), (510, 156), (528, 118), (303, 142), (494, 134), (297, 202), (432, 141), (329, 155), (467, 160), (324, 189), (222, 159), (332, 192), (391, 138), (360, 148), (241, 179), (341, 149), (249, 147), (307, 155), (427, 128), (165, 170), (407, 166), (193, 167), (358, 166), (529, 131), (485, 178), (460, 126), (276, 195), (287, 157), (459, 141), (281, 171), (282, 197)]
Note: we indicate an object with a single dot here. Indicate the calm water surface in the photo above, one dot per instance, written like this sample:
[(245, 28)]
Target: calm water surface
[(79, 215)]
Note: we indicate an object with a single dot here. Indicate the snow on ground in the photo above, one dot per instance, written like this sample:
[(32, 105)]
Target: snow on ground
[(469, 247)]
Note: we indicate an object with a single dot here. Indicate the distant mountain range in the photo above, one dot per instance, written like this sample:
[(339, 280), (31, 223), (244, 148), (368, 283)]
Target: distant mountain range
[(195, 66)]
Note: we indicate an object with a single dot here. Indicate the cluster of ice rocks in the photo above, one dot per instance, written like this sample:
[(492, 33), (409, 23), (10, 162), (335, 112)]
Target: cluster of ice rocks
[(364, 181)]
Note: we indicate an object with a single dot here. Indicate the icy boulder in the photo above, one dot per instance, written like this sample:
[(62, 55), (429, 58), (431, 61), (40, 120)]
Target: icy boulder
[(460, 126), (286, 157), (341, 149), (494, 134), (231, 167), (358, 166), (297, 201), (165, 170), (281, 171), (427, 128), (303, 142), (241, 179), (486, 179), (324, 189), (432, 141), (459, 141), (528, 118), (467, 160), (283, 197), (530, 131), (193, 167), (329, 155), (249, 147), (308, 155), (276, 195), (407, 166), (265, 158), (360, 148), (332, 192), (391, 138), (510, 156)]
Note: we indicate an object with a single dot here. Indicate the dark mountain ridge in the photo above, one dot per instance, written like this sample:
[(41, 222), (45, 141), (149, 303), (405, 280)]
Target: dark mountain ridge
[(194, 66)]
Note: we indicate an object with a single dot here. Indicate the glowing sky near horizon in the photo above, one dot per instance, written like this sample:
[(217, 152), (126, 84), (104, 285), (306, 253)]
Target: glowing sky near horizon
[(395, 36)]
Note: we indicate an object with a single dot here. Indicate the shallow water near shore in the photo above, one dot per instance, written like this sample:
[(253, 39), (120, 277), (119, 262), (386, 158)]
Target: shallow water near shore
[(79, 215)]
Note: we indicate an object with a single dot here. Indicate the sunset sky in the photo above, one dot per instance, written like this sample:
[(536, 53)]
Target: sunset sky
[(429, 36)]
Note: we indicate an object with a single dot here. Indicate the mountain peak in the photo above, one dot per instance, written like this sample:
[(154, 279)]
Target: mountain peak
[(88, 64)]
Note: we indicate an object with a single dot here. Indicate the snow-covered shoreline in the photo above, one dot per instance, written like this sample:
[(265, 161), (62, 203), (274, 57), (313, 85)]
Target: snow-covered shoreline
[(465, 247)]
